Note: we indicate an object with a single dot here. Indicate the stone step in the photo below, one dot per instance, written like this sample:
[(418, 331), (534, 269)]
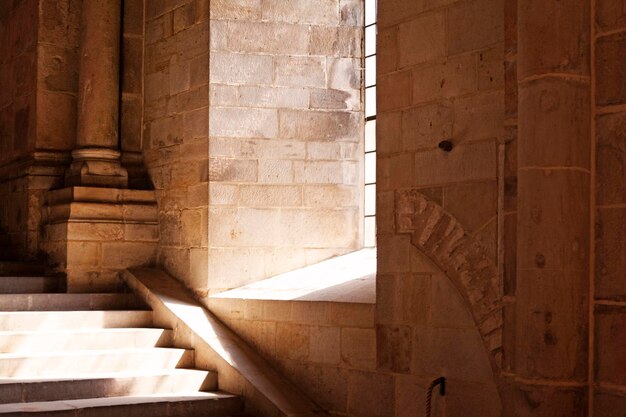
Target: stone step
[(31, 284), (66, 302), (57, 320), (21, 268), (194, 404), (86, 339), (31, 364), (13, 390)]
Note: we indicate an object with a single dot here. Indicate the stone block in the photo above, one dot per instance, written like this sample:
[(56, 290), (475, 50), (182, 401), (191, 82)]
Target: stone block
[(318, 125), (159, 28), (490, 68), (560, 198), (95, 231), (388, 133), (271, 97), (270, 196), (564, 119), (219, 29), (243, 122), (422, 39), (199, 70), (358, 348), (472, 161), (324, 345), (179, 76), (610, 15), (473, 400), (549, 401), (235, 10), (455, 77), (133, 17), (191, 229), (125, 255), (141, 232), (387, 50), (610, 337), (611, 77), (563, 46), (61, 22), (292, 341), (481, 196), (193, 42), (131, 124), (393, 11), (56, 126), (335, 41), (510, 89), (479, 117), (316, 12), (194, 99), (611, 159), (157, 86), (371, 394), (330, 99), (352, 315), (268, 37), (426, 126), (328, 196), (474, 25), (235, 170), (242, 68), (275, 171), (458, 353), (611, 254), (196, 126), (395, 91), (224, 95), (222, 194), (58, 68), (83, 254), (322, 172), (609, 404), (184, 16), (300, 71), (166, 131), (344, 73), (395, 171), (132, 72)]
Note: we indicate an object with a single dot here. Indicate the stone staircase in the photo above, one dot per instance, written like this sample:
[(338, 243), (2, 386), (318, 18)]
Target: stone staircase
[(93, 355)]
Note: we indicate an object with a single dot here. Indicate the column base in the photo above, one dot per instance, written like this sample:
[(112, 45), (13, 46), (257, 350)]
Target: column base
[(96, 167), (92, 234)]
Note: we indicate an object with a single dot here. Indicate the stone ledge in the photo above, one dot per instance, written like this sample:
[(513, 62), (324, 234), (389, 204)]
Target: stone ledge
[(241, 370)]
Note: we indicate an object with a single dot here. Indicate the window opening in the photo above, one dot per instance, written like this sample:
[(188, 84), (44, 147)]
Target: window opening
[(369, 48)]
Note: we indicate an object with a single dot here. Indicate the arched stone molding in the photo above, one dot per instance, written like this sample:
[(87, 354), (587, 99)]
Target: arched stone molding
[(444, 240)]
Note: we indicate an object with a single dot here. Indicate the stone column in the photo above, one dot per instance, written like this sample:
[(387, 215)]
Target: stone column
[(551, 353), (96, 159)]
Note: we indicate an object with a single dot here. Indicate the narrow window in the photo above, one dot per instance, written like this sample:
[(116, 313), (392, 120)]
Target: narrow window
[(369, 226)]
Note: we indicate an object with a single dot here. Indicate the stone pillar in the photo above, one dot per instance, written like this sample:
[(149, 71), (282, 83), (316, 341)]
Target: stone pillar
[(96, 161), (553, 226)]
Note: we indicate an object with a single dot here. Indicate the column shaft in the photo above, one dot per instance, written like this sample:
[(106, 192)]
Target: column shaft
[(553, 223)]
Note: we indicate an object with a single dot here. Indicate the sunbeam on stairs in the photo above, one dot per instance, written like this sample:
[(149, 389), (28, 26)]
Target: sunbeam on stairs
[(93, 355)]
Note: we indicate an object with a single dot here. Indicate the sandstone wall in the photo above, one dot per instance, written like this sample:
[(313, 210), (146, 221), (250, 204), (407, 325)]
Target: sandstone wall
[(285, 126), (440, 77), (610, 199), (334, 353), (175, 123)]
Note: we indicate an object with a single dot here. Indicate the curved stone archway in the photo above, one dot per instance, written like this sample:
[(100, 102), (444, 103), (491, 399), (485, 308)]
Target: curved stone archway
[(444, 240)]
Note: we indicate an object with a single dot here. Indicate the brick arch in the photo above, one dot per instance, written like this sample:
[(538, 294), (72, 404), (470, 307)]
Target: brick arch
[(443, 239)]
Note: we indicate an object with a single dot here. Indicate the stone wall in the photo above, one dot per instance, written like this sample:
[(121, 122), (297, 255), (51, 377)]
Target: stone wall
[(39, 79), (335, 354), (175, 123), (610, 199), (285, 136), (441, 78)]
